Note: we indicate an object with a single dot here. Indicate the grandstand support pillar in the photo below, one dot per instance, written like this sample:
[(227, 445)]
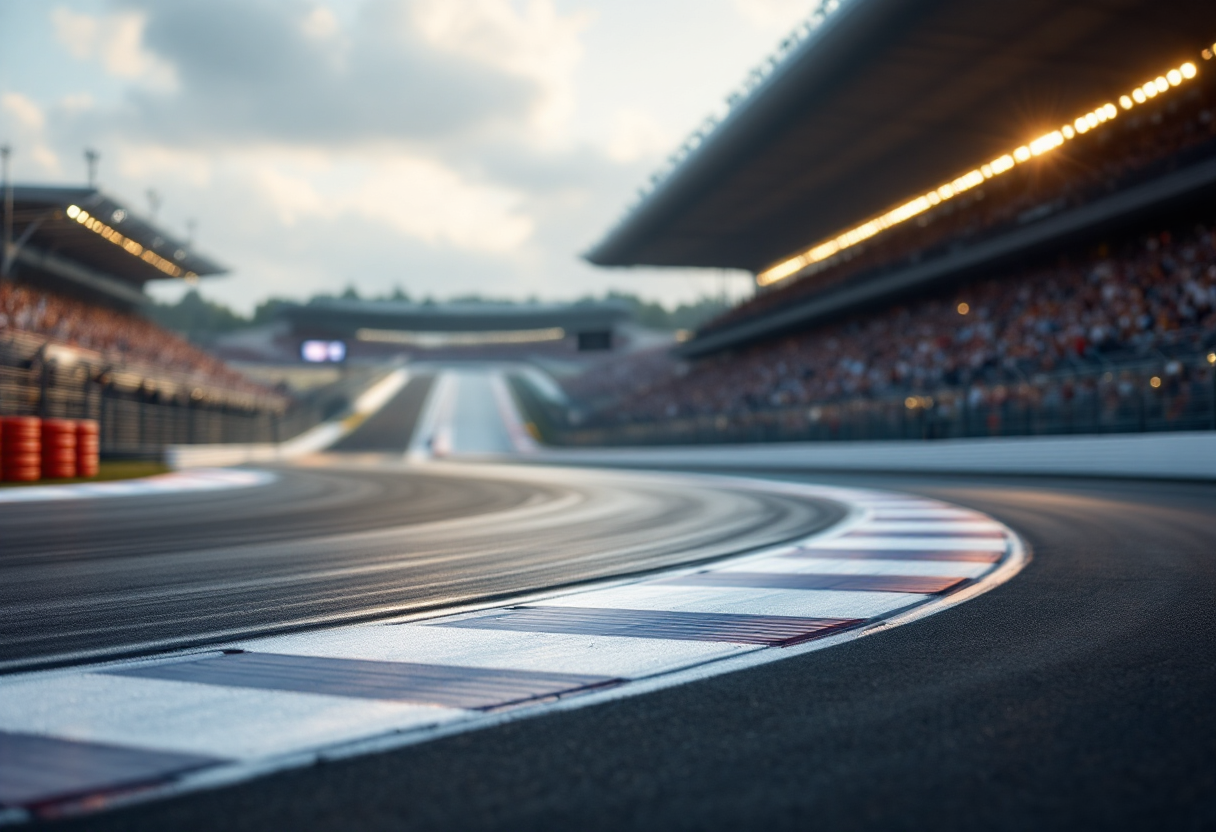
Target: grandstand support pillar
[(103, 421), (1142, 407), (141, 421), (1212, 400), (44, 388)]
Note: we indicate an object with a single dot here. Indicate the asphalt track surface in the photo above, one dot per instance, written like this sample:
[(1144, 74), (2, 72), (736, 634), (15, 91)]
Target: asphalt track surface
[(345, 540), (1078, 695), (389, 429)]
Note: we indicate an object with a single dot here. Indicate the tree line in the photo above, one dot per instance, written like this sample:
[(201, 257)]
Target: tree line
[(201, 319)]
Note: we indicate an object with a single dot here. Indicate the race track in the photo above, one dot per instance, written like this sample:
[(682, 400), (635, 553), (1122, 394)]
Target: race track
[(347, 541), (1077, 695)]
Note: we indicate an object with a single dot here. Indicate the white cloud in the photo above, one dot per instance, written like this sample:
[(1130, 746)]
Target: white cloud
[(320, 24), (76, 102), (116, 41), (532, 42), (769, 13), (152, 163), (46, 159), (26, 113), (291, 196), (413, 196), (637, 134), (25, 121), (436, 143)]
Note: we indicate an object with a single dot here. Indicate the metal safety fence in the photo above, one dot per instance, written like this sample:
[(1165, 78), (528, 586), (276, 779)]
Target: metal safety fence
[(1168, 394), (138, 415)]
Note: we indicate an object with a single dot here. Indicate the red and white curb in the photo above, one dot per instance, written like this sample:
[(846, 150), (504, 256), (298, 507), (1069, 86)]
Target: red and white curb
[(80, 739), (195, 480)]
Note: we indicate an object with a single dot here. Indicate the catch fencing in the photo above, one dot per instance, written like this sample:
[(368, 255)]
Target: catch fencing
[(1168, 394), (139, 413)]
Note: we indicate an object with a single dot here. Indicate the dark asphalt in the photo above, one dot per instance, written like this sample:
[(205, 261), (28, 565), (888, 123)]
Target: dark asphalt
[(390, 428), (1077, 696), (344, 539)]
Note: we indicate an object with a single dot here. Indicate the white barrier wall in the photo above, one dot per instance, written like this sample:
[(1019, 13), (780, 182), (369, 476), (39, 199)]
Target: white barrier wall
[(1180, 455), (315, 439)]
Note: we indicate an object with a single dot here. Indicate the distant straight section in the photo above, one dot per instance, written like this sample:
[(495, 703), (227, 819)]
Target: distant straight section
[(390, 429)]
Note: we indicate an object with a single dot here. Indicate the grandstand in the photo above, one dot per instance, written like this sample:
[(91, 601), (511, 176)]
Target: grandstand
[(962, 220), (458, 330), (73, 341)]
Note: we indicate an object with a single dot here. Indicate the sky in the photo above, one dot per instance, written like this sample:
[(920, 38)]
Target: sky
[(444, 146)]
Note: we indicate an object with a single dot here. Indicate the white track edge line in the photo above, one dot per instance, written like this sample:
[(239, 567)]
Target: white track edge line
[(232, 773)]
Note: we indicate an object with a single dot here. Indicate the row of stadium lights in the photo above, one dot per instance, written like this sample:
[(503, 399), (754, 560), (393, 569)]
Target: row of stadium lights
[(126, 243), (1043, 144)]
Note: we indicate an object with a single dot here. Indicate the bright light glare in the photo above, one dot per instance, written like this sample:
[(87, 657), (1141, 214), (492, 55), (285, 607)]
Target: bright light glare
[(318, 352), (1047, 142)]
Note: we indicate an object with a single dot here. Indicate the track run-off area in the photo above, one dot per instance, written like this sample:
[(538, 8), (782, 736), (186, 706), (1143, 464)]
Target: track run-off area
[(314, 651)]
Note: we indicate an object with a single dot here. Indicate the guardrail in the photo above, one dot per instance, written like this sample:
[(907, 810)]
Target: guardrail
[(141, 418)]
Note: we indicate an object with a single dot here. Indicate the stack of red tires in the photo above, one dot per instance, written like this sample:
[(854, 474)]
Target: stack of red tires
[(58, 449), (52, 449), (20, 448), (88, 447)]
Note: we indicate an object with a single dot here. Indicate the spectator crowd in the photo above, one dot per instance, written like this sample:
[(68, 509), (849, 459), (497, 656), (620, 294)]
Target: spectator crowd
[(1153, 295), (122, 339)]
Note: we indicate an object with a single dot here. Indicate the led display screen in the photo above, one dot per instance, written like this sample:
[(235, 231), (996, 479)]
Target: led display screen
[(320, 352)]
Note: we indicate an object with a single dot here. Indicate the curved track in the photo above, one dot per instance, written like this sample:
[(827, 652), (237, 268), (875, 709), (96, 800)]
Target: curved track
[(343, 541), (1076, 696)]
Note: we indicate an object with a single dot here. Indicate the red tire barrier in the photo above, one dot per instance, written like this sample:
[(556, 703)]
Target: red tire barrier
[(58, 449), (88, 447), (31, 473), (20, 448)]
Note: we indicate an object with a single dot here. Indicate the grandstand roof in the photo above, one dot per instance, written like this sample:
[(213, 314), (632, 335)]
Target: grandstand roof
[(887, 99), (349, 316), (83, 235)]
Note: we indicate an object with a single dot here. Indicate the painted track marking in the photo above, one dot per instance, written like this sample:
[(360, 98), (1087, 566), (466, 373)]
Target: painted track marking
[(194, 480), (286, 701)]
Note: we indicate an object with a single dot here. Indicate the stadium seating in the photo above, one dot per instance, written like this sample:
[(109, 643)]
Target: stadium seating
[(120, 338), (1154, 295), (1140, 146)]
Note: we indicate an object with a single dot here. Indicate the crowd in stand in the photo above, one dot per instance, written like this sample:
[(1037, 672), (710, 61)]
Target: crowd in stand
[(1140, 144), (1151, 296), (121, 338)]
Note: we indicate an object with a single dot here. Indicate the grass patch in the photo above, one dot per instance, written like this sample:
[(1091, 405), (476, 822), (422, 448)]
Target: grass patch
[(126, 469)]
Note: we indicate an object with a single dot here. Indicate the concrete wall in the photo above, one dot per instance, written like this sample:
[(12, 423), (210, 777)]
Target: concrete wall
[(1181, 455)]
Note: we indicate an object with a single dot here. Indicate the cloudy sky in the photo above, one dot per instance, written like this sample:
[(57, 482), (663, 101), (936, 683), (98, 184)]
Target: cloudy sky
[(446, 146)]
